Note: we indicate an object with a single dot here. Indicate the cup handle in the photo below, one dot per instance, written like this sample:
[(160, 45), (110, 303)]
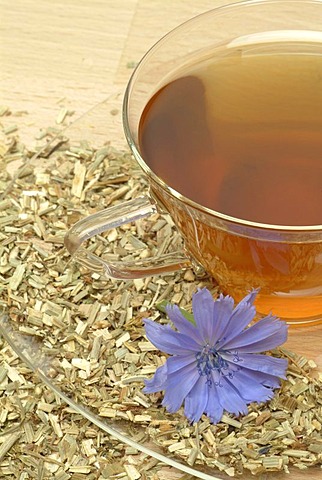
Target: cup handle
[(113, 217)]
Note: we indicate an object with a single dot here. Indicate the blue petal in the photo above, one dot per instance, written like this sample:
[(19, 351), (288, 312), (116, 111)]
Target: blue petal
[(178, 386), (182, 324), (213, 408), (239, 318), (169, 341), (261, 363), (176, 363), (203, 312), (157, 383), (265, 334), (215, 377), (249, 388), (242, 315), (196, 401), (265, 379), (250, 298), (230, 399), (223, 309)]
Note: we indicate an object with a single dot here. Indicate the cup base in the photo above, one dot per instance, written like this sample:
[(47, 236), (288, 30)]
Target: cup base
[(295, 311), (303, 322)]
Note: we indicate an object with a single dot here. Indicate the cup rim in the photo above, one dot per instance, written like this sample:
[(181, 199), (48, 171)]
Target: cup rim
[(150, 173)]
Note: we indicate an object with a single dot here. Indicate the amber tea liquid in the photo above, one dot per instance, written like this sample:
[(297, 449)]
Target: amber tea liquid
[(240, 132)]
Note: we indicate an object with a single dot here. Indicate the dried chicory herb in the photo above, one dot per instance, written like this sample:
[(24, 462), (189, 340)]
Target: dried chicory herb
[(90, 332)]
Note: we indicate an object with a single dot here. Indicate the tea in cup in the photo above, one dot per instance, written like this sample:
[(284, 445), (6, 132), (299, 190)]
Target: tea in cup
[(224, 116)]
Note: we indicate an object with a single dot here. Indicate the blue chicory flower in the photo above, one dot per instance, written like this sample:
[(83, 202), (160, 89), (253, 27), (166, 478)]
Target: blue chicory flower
[(215, 363)]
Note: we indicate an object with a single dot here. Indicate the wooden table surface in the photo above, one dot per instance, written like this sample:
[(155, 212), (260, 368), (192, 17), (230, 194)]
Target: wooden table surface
[(73, 54)]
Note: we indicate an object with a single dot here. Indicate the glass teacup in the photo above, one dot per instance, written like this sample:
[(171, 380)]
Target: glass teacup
[(257, 63)]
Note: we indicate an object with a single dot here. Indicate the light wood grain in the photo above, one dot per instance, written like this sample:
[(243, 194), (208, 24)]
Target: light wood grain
[(75, 53)]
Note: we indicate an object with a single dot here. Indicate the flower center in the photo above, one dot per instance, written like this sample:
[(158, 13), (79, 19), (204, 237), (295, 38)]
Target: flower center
[(209, 359)]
